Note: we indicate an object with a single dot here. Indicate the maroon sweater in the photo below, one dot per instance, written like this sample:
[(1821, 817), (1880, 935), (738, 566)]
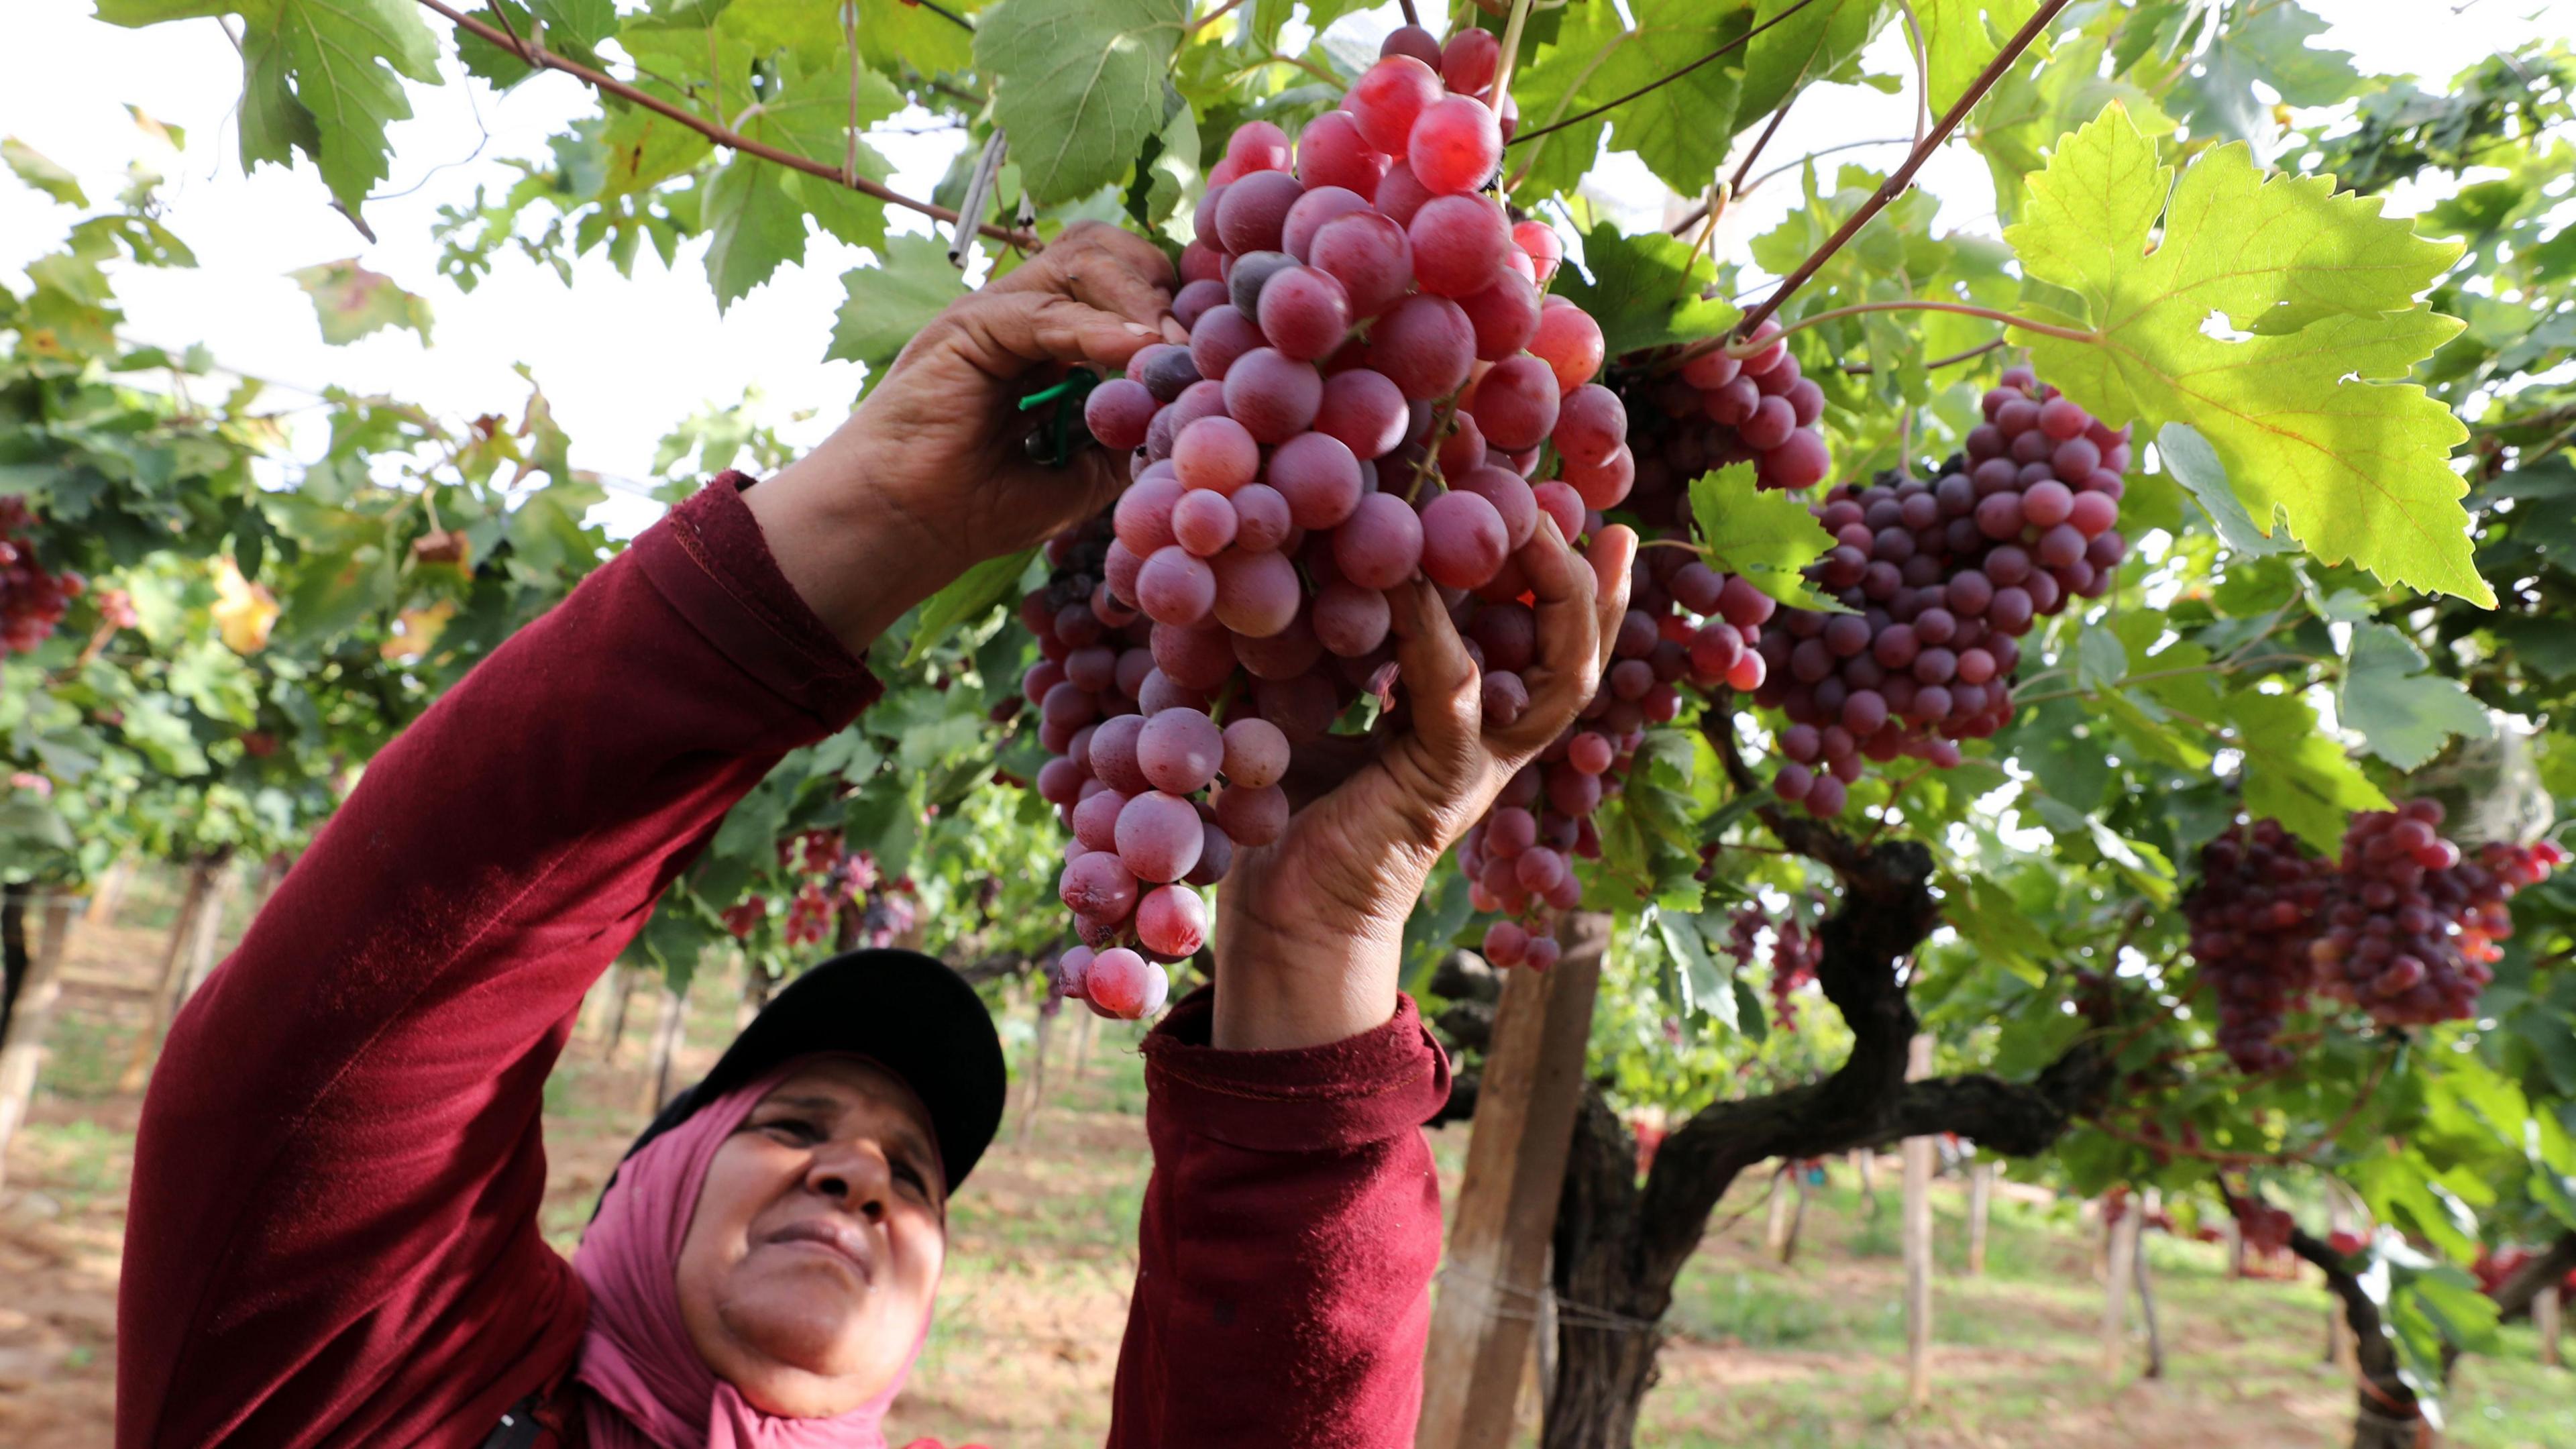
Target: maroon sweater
[(333, 1235)]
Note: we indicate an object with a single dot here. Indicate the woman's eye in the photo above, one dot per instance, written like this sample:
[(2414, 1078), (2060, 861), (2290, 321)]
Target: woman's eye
[(795, 1128)]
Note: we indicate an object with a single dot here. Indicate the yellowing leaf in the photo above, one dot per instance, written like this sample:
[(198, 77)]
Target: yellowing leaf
[(2326, 287), (244, 611), (417, 631), (351, 302), (41, 172)]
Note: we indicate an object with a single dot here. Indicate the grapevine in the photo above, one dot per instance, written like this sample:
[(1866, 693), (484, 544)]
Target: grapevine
[(32, 601)]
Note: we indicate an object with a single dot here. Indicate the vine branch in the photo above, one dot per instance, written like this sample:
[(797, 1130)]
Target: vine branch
[(720, 134), (1903, 177)]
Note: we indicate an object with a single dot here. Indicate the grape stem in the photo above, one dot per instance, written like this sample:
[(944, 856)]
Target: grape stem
[(1903, 177), (1863, 369), (1213, 16), (1746, 347), (544, 59), (1511, 51)]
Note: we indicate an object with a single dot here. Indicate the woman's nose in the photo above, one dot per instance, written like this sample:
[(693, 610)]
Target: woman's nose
[(855, 1176)]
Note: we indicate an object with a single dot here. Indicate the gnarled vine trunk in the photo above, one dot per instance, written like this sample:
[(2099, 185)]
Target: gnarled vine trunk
[(1620, 1245), (2385, 1412)]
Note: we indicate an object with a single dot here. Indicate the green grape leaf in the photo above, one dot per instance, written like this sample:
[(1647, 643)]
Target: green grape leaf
[(1962, 37), (2294, 772), (2323, 282), (2406, 713), (2267, 44), (965, 600), (1806, 46), (1681, 130), (890, 303), (320, 76), (2190, 461), (1761, 533), (351, 302), (753, 226), (1079, 84), (40, 172), (1644, 290)]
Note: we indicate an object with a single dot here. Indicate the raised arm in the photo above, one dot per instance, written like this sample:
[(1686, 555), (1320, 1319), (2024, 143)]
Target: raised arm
[(1293, 1222), (338, 1169)]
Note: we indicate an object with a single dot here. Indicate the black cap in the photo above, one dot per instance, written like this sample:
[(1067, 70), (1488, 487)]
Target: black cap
[(908, 1012)]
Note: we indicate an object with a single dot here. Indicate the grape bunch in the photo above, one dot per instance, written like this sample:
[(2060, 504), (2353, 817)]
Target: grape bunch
[(1716, 409), (2410, 934), (827, 872), (1372, 379), (32, 601), (1942, 578), (1796, 952), (2253, 914)]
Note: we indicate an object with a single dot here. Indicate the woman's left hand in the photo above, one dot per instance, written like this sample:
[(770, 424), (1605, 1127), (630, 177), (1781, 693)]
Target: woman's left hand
[(1310, 928)]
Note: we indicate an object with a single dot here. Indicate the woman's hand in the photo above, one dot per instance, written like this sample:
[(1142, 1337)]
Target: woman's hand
[(1310, 928), (928, 477)]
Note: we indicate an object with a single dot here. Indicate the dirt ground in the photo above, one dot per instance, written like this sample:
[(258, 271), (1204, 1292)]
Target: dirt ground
[(1807, 1354)]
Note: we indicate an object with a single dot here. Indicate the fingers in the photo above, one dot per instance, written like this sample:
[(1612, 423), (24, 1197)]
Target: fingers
[(1104, 268), (1569, 663), (1004, 334), (1440, 681), (1613, 555)]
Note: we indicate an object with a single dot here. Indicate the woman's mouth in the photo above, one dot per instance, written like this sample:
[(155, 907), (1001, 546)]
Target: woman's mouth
[(843, 1239)]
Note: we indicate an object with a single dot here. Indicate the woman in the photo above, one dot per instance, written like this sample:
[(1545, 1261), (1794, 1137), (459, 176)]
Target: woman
[(333, 1237)]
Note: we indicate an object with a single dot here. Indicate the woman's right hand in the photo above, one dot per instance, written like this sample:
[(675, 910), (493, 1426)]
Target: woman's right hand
[(1310, 928), (928, 478)]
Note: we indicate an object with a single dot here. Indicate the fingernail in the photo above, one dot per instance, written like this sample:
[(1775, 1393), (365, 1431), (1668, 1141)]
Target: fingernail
[(1138, 328)]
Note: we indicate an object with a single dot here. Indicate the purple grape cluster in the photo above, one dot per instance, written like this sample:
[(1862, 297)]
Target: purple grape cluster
[(2253, 914), (1943, 578)]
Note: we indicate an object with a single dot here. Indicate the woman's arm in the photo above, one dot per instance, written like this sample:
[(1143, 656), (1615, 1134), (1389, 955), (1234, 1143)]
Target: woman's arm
[(1293, 1222), (333, 1235)]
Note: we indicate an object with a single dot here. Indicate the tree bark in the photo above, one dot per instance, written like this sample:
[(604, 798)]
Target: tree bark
[(1620, 1246), (1048, 1010), (205, 944), (22, 1043), (2147, 1290), (2386, 1415), (164, 1001), (2545, 1308), (621, 994)]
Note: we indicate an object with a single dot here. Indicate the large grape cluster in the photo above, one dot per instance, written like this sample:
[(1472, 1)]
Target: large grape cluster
[(2410, 934), (1372, 378), (1942, 578), (1716, 409), (2253, 914), (32, 601)]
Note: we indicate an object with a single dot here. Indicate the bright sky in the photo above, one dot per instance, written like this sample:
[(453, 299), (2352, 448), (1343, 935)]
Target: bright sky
[(624, 359)]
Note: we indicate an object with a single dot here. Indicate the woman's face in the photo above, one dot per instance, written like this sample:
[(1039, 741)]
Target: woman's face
[(816, 1245)]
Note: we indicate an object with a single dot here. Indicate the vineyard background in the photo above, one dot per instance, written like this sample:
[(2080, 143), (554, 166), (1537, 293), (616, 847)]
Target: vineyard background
[(310, 521), (1804, 1356)]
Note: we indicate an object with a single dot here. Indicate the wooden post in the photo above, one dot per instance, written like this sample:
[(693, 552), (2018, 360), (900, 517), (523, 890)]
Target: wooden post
[(1050, 1006), (1981, 1197), (1481, 1322), (2146, 1290), (2544, 1317), (667, 1028), (2342, 1349), (622, 992), (205, 945), (2115, 1290), (1775, 1232), (1918, 1244), (108, 891), (2231, 1237), (1865, 1163), (165, 992), (22, 1051)]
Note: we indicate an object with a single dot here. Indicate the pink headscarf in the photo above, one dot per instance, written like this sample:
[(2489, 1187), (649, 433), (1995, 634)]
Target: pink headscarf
[(648, 1387)]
